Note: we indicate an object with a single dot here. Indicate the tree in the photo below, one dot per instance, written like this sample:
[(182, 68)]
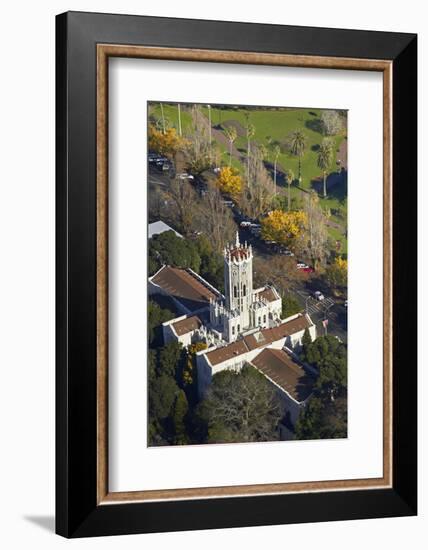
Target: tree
[(321, 420), (285, 228), (169, 249), (240, 407), (289, 177), (179, 413), (326, 413), (179, 119), (257, 198), (329, 356), (325, 156), (166, 142), (156, 316), (212, 264), (331, 122), (297, 144), (276, 152), (189, 372), (182, 195), (290, 306), (216, 219), (316, 229), (337, 273), (229, 181), (199, 149), (250, 130), (170, 360), (231, 135), (162, 396), (306, 338)]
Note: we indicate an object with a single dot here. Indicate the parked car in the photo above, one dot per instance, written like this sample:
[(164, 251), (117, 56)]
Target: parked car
[(245, 224), (301, 265), (153, 158), (318, 296), (160, 161), (308, 269), (346, 304), (284, 251), (228, 203), (185, 176)]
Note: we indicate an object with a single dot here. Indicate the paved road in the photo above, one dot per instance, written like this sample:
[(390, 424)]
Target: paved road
[(327, 309), (336, 313), (157, 178)]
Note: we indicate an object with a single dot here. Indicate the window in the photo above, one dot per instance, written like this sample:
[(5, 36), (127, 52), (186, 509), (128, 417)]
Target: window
[(233, 331), (235, 293), (244, 292), (264, 318), (239, 328), (260, 321)]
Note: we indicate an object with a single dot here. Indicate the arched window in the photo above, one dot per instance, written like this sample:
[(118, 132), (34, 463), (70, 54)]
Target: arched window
[(235, 292), (244, 291)]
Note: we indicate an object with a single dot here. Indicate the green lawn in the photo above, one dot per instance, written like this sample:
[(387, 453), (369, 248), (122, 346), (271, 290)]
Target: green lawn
[(171, 115), (275, 124)]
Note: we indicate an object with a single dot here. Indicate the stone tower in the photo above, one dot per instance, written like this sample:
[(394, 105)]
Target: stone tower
[(238, 280)]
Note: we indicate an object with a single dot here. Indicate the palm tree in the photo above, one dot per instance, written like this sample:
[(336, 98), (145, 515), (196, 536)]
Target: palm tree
[(179, 119), (250, 131), (276, 152), (325, 154), (298, 148), (289, 175), (163, 118), (231, 135)]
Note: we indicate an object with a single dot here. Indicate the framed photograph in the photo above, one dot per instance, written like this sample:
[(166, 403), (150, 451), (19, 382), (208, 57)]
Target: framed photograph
[(236, 274)]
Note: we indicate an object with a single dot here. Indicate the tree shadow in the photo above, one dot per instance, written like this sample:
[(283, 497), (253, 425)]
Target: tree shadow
[(314, 124), (336, 184)]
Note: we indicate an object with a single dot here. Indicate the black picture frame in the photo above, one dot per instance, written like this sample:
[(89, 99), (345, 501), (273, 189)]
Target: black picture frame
[(77, 511)]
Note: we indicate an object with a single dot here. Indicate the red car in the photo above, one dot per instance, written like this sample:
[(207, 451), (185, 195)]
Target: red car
[(308, 269)]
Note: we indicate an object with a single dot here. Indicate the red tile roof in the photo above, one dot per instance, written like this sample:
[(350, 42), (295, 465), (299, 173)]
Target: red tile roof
[(183, 286), (187, 325), (267, 294), (225, 353), (257, 340), (285, 372), (268, 335)]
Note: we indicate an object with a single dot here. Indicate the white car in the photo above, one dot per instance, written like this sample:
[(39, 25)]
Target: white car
[(245, 224), (319, 296), (185, 176), (301, 265)]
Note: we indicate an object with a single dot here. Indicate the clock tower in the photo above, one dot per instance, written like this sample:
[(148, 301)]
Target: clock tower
[(238, 280)]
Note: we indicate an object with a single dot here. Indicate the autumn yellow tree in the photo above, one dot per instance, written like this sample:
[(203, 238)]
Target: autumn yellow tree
[(337, 273), (189, 369), (284, 227), (229, 181), (166, 143)]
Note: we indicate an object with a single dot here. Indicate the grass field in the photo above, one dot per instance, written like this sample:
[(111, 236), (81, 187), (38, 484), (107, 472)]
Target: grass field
[(274, 125)]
